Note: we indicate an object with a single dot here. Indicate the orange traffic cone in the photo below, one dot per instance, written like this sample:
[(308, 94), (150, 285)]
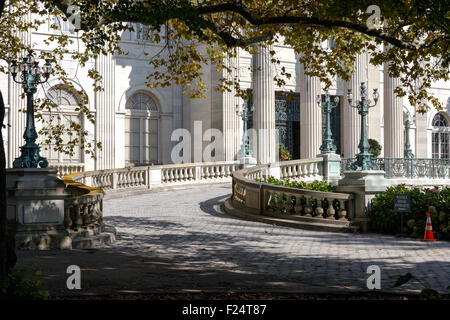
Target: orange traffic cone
[(428, 230)]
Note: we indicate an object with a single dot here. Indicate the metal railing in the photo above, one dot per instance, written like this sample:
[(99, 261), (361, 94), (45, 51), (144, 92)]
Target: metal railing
[(408, 168)]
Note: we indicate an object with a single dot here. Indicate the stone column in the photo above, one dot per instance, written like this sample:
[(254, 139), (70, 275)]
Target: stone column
[(264, 106), (352, 120), (232, 123), (106, 114), (393, 117), (310, 116)]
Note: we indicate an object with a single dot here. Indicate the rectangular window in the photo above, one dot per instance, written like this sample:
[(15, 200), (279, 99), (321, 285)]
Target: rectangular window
[(444, 146), (141, 140), (435, 145)]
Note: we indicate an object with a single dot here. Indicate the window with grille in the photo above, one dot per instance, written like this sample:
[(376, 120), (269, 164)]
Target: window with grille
[(440, 137), (141, 130), (67, 100)]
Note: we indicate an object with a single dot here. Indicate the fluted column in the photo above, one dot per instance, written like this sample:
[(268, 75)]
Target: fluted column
[(105, 117), (232, 123), (393, 117), (352, 120), (264, 106), (310, 115)]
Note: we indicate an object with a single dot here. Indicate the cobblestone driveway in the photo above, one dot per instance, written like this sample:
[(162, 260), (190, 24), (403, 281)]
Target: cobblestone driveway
[(187, 228)]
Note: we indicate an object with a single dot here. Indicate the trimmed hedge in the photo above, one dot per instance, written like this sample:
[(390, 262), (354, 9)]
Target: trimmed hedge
[(384, 219), (315, 185)]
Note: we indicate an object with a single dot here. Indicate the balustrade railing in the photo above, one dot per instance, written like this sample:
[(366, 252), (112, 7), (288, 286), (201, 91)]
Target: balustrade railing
[(304, 169), (154, 176), (267, 199), (66, 168), (82, 211), (408, 168)]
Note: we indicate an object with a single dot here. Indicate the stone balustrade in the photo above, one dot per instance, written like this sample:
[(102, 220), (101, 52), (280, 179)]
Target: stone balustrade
[(65, 169), (267, 199), (84, 207), (303, 169), (148, 177)]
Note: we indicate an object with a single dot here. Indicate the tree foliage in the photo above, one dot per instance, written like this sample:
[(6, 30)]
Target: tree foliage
[(412, 35)]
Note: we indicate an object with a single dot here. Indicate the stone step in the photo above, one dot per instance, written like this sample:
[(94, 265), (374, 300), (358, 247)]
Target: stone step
[(314, 226)]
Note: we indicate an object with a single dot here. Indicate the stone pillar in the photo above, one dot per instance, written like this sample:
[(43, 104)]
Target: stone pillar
[(352, 120), (310, 116), (264, 107), (364, 185), (232, 123), (36, 211), (106, 115), (393, 117)]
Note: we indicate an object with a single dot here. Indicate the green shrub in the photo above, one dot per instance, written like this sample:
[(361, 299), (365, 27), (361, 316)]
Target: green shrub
[(315, 185), (20, 284), (375, 148), (384, 219)]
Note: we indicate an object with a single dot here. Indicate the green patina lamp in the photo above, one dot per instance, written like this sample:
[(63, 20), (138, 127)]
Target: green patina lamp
[(328, 145), (364, 157), (31, 75), (244, 113)]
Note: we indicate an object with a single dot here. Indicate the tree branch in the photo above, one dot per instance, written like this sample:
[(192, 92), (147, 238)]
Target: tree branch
[(304, 20)]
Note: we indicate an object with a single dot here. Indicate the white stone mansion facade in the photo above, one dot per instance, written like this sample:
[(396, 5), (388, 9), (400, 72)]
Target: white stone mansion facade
[(135, 122)]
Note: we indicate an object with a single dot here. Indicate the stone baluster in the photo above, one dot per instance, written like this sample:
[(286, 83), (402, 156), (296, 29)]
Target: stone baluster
[(298, 205), (78, 221), (342, 211), (67, 219), (330, 210), (319, 210), (308, 207)]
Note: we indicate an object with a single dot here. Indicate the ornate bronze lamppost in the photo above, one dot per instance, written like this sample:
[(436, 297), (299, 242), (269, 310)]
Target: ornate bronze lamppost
[(409, 120), (244, 113), (327, 106), (364, 158), (31, 75)]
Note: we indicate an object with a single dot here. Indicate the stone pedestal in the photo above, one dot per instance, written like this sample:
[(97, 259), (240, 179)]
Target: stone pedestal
[(36, 208), (364, 185), (331, 167), (245, 162)]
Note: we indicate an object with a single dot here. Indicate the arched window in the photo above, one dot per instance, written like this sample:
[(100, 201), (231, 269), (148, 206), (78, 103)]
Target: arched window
[(141, 101), (440, 137), (67, 100), (141, 130), (63, 96)]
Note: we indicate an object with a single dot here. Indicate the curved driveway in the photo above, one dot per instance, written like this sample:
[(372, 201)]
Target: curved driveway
[(187, 229)]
